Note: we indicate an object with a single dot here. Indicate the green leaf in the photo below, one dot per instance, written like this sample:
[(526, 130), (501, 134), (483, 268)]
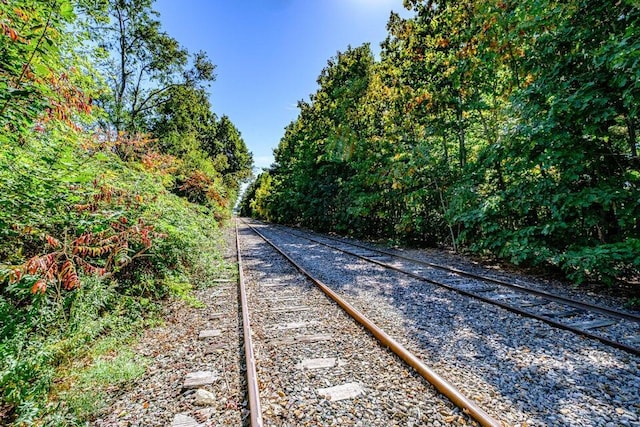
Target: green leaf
[(41, 69), (66, 10)]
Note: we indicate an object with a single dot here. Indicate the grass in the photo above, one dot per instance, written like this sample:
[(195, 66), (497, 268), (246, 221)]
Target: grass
[(184, 291), (83, 389), (88, 393), (633, 303)]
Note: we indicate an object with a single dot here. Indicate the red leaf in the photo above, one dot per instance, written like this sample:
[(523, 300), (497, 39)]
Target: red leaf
[(53, 242), (40, 286), (15, 276), (33, 265)]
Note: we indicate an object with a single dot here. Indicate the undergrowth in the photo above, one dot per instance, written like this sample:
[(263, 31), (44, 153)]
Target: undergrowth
[(51, 335)]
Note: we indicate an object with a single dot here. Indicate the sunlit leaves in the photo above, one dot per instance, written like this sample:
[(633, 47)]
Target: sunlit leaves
[(508, 127), (30, 55), (142, 64)]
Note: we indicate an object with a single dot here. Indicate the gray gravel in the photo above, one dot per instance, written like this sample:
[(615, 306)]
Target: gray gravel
[(392, 394), (174, 350), (588, 292), (520, 370)]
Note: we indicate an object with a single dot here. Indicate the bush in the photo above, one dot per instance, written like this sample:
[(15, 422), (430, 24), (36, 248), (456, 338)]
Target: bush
[(90, 244)]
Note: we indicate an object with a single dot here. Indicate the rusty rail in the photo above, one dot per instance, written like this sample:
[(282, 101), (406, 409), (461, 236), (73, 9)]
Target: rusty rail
[(611, 312), (510, 307), (442, 385), (252, 378)]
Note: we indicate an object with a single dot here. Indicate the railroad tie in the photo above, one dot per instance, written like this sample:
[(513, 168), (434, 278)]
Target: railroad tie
[(209, 333), (182, 420), (319, 363), (341, 392), (593, 324), (199, 379)]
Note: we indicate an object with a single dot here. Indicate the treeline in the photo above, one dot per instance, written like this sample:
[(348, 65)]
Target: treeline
[(115, 175), (501, 127)]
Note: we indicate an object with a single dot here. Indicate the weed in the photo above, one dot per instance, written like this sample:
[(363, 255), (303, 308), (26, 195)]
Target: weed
[(87, 395), (633, 303), (184, 291)]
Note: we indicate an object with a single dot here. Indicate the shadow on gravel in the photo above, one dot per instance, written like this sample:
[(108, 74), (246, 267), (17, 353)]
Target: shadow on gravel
[(540, 375)]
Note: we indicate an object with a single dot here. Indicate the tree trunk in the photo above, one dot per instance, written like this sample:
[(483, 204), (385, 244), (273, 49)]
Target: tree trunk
[(461, 135)]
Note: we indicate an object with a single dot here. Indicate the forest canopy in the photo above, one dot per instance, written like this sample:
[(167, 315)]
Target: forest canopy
[(507, 128)]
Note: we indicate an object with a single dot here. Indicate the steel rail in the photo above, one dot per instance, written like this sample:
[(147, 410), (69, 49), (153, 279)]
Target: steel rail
[(252, 378), (514, 309), (556, 298), (442, 385)]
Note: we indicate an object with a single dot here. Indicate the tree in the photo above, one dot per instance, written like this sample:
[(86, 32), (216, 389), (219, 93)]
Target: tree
[(184, 121), (237, 158), (255, 198), (576, 142), (506, 127), (312, 161), (144, 64), (185, 126)]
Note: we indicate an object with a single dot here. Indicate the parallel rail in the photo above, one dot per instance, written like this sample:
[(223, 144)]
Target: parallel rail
[(443, 386), (252, 378), (576, 304)]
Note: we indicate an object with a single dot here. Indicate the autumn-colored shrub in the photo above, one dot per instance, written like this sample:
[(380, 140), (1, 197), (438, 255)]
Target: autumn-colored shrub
[(109, 231)]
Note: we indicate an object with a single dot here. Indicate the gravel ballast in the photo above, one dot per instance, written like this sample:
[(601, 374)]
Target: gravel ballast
[(295, 324), (174, 351), (318, 367), (520, 370)]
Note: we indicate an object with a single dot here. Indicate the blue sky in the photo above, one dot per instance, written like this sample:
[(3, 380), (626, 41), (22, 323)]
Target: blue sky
[(269, 53)]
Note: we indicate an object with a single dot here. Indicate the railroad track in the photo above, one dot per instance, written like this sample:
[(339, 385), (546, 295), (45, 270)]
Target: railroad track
[(300, 345), (604, 324)]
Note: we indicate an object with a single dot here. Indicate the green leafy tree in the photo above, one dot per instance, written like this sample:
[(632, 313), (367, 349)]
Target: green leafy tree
[(185, 122), (577, 144), (185, 127), (503, 127), (144, 64), (238, 161), (313, 158), (255, 202)]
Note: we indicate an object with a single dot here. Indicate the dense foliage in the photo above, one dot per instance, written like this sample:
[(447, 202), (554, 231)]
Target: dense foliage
[(112, 188), (502, 127)]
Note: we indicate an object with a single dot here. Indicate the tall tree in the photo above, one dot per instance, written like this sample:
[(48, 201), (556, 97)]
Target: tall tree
[(185, 118), (144, 64), (237, 158), (185, 126), (313, 158), (577, 142), (504, 126)]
